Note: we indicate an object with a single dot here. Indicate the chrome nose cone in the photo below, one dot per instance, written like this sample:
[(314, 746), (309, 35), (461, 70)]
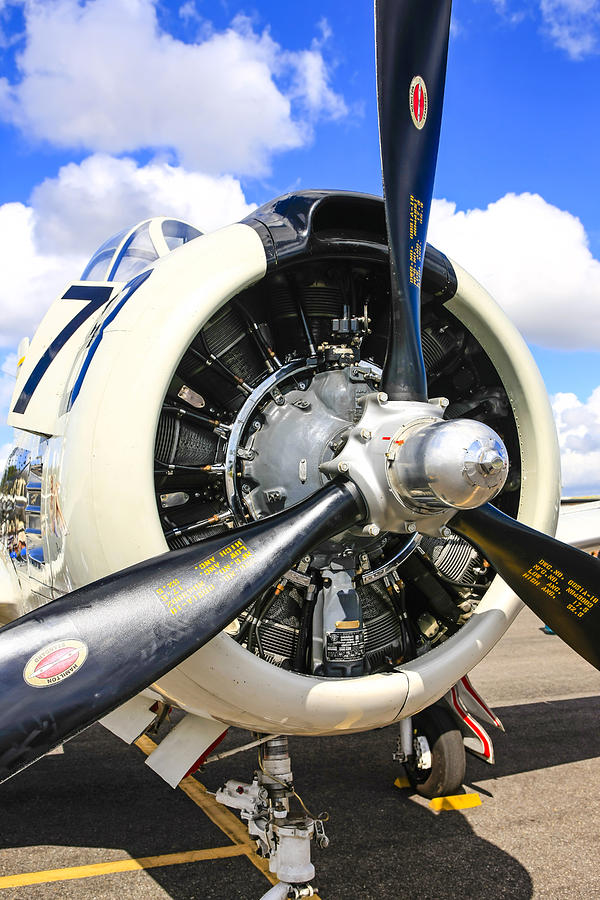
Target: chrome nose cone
[(461, 464)]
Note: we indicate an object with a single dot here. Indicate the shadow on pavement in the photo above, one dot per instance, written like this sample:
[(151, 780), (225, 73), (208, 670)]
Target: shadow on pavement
[(540, 735), (383, 844)]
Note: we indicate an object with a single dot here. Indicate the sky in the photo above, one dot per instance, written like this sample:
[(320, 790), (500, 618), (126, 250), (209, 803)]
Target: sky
[(115, 110)]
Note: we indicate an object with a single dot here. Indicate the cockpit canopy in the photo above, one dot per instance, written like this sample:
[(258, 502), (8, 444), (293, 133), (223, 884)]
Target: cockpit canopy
[(129, 252)]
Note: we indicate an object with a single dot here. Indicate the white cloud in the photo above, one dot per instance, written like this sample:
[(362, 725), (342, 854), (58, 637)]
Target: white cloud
[(188, 12), (310, 81), (102, 75), (8, 370), (503, 9), (8, 376), (45, 245), (5, 451), (573, 25), (534, 259), (86, 203), (578, 425), (30, 279)]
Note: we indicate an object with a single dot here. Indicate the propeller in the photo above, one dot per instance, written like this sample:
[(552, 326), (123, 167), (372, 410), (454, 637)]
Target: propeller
[(558, 582), (69, 663), (412, 49)]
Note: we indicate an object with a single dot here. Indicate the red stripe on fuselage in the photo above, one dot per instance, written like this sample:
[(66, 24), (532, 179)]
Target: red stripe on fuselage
[(487, 750)]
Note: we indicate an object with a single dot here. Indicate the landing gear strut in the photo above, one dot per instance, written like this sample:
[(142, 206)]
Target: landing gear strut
[(282, 835)]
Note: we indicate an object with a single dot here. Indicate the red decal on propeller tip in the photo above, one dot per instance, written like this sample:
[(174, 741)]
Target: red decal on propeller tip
[(418, 101), (54, 663)]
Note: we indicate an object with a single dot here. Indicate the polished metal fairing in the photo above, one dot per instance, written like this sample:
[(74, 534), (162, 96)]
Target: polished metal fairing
[(430, 466)]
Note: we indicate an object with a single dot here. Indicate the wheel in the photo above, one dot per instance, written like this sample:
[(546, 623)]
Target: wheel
[(438, 766)]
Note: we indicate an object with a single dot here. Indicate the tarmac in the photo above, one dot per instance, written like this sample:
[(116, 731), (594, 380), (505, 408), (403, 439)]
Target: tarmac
[(72, 825)]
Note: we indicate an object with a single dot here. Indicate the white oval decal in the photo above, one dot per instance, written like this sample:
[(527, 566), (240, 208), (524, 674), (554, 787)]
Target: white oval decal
[(55, 662)]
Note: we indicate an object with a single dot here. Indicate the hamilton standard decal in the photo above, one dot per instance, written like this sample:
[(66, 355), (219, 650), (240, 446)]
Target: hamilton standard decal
[(418, 102), (54, 663)]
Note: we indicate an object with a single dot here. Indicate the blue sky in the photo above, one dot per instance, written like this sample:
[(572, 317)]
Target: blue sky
[(111, 110)]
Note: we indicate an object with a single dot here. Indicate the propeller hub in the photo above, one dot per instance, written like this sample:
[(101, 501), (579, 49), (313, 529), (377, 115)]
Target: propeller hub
[(414, 469), (459, 464)]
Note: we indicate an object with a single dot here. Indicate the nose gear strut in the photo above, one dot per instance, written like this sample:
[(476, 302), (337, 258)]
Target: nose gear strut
[(282, 835)]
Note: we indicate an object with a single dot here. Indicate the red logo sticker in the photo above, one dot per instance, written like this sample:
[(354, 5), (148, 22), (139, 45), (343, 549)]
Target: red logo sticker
[(55, 662), (418, 101)]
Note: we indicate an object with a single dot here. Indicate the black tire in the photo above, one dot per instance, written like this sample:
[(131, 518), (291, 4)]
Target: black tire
[(448, 758)]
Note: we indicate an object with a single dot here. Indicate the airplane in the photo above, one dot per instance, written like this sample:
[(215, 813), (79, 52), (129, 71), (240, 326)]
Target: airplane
[(253, 480)]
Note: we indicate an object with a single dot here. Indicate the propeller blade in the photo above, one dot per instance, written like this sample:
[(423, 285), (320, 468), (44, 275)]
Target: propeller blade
[(559, 583), (412, 49), (65, 665)]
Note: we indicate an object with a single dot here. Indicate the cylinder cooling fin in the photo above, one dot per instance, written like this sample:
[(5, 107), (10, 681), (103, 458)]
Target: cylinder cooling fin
[(265, 394)]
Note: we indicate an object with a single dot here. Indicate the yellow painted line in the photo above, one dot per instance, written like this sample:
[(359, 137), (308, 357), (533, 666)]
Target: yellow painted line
[(122, 865), (21, 361), (459, 801), (402, 782)]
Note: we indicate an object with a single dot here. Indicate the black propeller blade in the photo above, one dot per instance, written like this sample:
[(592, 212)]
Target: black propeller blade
[(559, 583), (412, 50), (67, 664)]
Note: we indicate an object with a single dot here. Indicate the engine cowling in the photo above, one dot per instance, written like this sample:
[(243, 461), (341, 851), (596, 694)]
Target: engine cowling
[(190, 416)]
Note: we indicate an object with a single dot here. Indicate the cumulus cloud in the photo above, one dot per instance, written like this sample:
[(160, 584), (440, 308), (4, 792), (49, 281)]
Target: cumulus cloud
[(30, 279), (573, 25), (8, 376), (534, 259), (578, 425), (508, 14), (8, 372), (5, 451), (46, 244), (86, 203), (188, 12), (104, 76)]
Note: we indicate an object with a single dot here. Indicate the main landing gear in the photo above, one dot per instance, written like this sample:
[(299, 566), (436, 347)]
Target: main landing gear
[(432, 744), (432, 750)]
